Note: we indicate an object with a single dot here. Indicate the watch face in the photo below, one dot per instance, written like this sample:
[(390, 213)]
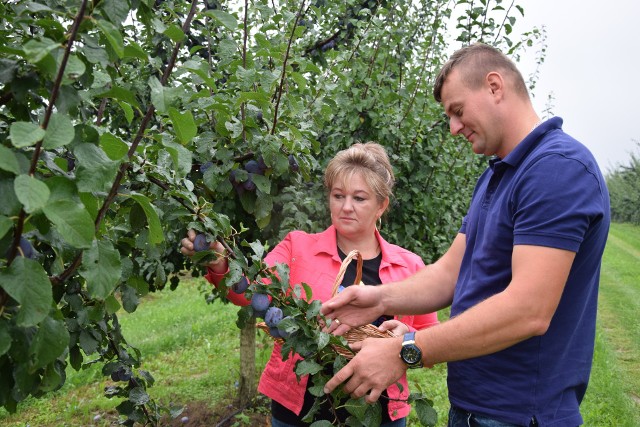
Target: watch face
[(411, 354)]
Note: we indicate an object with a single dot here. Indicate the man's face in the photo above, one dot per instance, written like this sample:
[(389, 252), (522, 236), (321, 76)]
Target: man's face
[(470, 113)]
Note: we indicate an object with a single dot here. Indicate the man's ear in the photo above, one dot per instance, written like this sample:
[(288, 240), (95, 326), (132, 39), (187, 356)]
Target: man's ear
[(495, 82)]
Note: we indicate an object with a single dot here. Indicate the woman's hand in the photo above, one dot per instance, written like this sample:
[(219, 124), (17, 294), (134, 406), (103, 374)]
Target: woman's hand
[(219, 265), (396, 327)]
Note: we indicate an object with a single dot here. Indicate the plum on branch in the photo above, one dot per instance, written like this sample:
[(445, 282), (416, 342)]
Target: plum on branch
[(200, 243)]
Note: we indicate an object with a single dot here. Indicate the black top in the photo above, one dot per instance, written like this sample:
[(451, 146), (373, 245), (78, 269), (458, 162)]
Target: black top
[(370, 276)]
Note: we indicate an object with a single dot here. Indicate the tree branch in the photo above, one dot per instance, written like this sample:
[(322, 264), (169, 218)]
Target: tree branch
[(134, 145), (17, 234), (284, 69)]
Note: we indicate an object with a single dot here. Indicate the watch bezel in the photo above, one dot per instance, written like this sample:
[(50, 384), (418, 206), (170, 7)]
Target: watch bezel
[(410, 353)]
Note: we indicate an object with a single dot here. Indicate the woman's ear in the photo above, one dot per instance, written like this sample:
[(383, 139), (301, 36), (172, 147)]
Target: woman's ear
[(383, 206)]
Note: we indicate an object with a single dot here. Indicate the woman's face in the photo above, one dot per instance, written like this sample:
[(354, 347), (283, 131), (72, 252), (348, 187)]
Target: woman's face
[(354, 207)]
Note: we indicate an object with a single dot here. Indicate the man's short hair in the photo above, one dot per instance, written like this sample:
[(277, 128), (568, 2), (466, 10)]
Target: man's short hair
[(475, 62)]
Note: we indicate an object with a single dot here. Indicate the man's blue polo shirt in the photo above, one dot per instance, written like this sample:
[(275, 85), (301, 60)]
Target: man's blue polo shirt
[(548, 192)]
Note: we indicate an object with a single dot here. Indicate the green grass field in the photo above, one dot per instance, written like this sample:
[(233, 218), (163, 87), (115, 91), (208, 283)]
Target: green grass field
[(191, 348)]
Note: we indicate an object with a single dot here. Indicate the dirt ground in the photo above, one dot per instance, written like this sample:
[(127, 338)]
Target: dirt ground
[(200, 414)]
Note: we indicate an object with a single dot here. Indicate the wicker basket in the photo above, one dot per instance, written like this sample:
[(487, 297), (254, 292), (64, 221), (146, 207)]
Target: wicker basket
[(354, 334)]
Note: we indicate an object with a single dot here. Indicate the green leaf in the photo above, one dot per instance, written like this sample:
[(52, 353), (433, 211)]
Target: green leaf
[(88, 342), (226, 19), (357, 408), (114, 147), (181, 157), (10, 205), (263, 183), (25, 134), (53, 377), (5, 337), (307, 367), (138, 396), (322, 340), (174, 32), (130, 300), (426, 414), (155, 228), (74, 69), (227, 49), (36, 50), (31, 192), (183, 125), (59, 133), (49, 343), (299, 79), (121, 94), (101, 267), (115, 10), (133, 50), (5, 225), (96, 171), (111, 304), (26, 282), (8, 160), (127, 110), (158, 96), (113, 36), (8, 70), (72, 221)]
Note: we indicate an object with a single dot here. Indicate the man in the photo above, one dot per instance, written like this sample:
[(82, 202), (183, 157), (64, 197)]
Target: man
[(521, 276)]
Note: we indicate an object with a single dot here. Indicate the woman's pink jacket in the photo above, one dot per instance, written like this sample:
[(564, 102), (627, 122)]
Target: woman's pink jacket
[(313, 259)]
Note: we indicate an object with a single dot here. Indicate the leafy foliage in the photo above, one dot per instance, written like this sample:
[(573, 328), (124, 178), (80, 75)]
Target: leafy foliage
[(299, 327), (125, 122), (624, 191)]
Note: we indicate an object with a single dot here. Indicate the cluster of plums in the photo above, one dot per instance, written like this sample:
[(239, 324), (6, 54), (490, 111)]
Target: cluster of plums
[(272, 315), (261, 303)]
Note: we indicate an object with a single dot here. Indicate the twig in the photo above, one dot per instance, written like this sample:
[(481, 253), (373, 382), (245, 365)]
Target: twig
[(284, 69)]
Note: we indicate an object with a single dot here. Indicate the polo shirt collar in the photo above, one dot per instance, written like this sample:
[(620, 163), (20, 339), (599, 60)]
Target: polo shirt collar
[(528, 143)]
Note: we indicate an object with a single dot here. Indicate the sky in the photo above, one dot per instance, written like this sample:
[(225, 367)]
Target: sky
[(592, 71)]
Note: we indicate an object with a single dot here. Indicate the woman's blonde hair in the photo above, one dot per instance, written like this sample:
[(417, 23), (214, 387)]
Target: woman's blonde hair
[(371, 160)]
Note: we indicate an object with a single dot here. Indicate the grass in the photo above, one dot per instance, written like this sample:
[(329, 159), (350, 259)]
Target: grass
[(191, 348)]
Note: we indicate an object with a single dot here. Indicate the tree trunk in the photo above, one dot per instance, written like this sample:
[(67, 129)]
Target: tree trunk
[(247, 388)]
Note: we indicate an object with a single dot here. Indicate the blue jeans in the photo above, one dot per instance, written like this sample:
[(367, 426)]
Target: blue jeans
[(402, 422), (461, 418)]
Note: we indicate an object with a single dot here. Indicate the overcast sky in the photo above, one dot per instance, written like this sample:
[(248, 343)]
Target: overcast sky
[(592, 69)]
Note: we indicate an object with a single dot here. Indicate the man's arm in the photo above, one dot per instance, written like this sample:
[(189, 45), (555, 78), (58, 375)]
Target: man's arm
[(524, 309), (428, 290)]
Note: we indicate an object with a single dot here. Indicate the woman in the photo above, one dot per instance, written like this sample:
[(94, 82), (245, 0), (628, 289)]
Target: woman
[(359, 181)]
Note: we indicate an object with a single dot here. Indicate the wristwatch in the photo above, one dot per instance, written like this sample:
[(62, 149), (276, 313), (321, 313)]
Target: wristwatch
[(411, 353)]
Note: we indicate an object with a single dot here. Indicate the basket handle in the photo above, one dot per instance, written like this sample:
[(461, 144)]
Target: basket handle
[(343, 268)]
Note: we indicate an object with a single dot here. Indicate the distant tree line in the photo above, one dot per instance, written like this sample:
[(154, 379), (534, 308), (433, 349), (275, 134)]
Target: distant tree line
[(624, 190)]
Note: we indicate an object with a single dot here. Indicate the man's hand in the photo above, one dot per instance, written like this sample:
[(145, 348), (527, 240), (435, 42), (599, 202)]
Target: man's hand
[(355, 306), (375, 367)]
